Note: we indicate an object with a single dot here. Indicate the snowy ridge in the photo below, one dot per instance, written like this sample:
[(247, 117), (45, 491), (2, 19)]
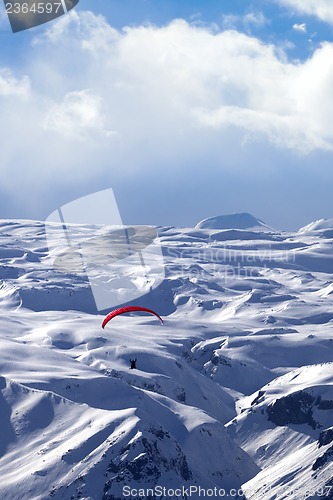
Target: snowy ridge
[(294, 415), (234, 221), (318, 225), (231, 391)]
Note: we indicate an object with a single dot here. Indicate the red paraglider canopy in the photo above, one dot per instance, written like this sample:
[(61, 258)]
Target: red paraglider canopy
[(125, 309)]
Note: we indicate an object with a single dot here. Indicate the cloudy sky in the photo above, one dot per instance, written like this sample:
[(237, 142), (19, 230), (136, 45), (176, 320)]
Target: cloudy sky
[(187, 109)]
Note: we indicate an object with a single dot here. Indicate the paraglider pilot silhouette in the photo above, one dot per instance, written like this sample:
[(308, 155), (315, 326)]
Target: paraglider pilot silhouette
[(133, 363)]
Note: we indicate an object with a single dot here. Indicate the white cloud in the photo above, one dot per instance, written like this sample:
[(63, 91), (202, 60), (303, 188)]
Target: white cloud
[(322, 9), (11, 86), (255, 19), (175, 95), (300, 27), (79, 114), (251, 19)]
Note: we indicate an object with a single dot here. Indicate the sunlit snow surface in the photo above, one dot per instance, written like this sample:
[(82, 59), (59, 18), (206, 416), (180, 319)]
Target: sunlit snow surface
[(235, 389)]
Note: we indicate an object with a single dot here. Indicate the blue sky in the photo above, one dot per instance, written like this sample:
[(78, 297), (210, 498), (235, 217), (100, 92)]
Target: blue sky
[(186, 109)]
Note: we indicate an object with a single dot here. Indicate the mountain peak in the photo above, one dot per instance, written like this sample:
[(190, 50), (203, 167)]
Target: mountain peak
[(317, 225), (242, 220)]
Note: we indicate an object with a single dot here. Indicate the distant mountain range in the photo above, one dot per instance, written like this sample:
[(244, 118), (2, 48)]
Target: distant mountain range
[(233, 393)]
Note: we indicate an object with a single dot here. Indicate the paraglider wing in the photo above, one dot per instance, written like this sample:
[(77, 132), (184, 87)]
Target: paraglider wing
[(125, 309)]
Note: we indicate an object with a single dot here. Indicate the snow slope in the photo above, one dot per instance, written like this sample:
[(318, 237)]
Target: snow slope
[(318, 225), (294, 444), (231, 391)]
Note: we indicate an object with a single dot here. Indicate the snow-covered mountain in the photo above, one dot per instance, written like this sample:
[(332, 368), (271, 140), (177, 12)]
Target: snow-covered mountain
[(234, 221), (322, 228), (234, 392), (287, 427)]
